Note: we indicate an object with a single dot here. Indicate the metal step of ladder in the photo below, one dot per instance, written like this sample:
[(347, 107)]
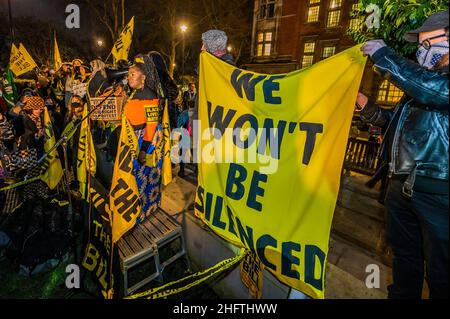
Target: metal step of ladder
[(148, 248)]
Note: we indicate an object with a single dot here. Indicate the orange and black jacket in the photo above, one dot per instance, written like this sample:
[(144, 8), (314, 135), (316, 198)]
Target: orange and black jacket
[(142, 110)]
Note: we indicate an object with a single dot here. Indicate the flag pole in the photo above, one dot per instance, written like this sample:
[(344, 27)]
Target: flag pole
[(11, 25)]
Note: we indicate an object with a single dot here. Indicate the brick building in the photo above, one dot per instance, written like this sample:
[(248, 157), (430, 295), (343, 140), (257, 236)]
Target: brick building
[(294, 34)]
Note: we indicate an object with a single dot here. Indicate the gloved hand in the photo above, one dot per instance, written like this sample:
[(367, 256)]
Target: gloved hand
[(361, 102), (372, 46), (142, 157)]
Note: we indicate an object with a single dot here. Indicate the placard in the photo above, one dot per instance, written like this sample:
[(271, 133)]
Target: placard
[(111, 110), (79, 89)]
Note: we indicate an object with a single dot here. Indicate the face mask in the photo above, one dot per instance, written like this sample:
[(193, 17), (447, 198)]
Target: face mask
[(429, 58)]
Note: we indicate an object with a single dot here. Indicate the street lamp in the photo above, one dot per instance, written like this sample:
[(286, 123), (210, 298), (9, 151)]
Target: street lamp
[(100, 43), (229, 48), (183, 29)]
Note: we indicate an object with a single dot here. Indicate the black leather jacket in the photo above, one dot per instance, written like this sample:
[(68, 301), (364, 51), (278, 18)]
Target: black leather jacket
[(416, 131)]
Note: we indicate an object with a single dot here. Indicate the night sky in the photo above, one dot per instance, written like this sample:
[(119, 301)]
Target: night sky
[(52, 11)]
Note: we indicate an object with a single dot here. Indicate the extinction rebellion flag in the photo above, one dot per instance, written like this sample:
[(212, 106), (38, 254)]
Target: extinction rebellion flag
[(20, 61), (51, 167), (9, 88), (272, 153), (122, 46), (86, 157), (99, 249), (124, 195)]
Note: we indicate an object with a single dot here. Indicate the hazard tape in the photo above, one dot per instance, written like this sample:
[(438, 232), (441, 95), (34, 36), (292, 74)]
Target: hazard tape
[(20, 183), (166, 290), (61, 203)]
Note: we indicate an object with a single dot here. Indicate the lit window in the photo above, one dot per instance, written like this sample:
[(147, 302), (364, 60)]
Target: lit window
[(259, 50), (314, 1), (334, 17), (389, 93), (355, 6), (328, 51), (307, 61), (335, 4), (264, 45), (355, 24), (309, 47), (313, 14), (267, 9), (308, 54), (267, 49), (260, 37)]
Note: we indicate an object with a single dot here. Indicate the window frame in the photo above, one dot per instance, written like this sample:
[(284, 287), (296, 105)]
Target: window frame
[(326, 47), (334, 10), (355, 24), (388, 89), (311, 5), (266, 4), (264, 43), (308, 54)]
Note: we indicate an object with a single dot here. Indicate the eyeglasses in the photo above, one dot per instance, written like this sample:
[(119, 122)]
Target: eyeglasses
[(427, 43)]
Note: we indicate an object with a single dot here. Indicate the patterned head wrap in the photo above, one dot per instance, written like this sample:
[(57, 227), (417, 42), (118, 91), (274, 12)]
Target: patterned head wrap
[(34, 103)]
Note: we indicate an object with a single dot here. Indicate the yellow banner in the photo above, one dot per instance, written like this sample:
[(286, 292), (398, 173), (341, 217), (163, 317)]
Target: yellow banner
[(51, 167), (272, 149), (124, 195), (167, 164), (20, 60), (86, 157), (57, 56), (122, 46)]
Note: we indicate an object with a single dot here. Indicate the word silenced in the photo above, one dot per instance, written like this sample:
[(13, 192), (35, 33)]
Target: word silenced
[(222, 217)]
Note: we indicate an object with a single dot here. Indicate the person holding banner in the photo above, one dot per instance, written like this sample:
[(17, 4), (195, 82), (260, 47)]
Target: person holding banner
[(80, 77), (68, 82), (143, 112), (416, 147), (32, 141), (74, 116), (34, 129), (6, 133)]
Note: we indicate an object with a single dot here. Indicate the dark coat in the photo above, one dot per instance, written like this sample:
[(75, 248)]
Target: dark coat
[(416, 131)]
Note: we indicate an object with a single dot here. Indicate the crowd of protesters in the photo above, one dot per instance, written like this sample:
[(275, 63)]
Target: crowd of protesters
[(414, 149), (143, 82)]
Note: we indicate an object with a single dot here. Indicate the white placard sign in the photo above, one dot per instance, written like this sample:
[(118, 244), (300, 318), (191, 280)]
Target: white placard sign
[(111, 109), (79, 89)]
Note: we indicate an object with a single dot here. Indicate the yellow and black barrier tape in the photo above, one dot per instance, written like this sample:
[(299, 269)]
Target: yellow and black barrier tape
[(25, 182), (61, 203), (166, 290)]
